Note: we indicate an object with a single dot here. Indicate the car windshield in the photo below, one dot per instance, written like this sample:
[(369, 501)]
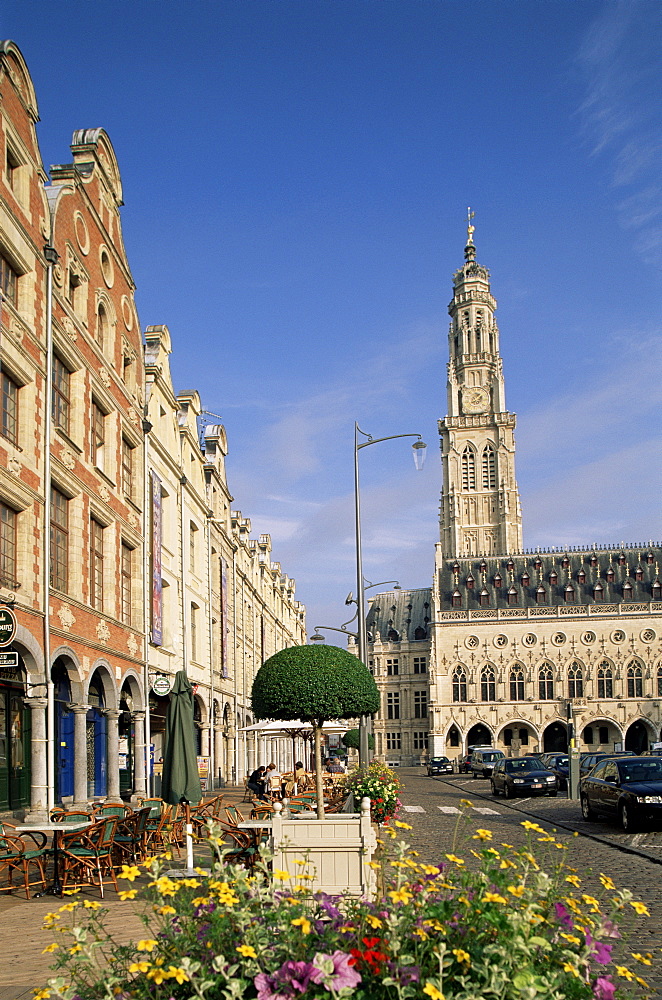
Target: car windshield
[(439, 760), (492, 756), (522, 764), (560, 762), (640, 770)]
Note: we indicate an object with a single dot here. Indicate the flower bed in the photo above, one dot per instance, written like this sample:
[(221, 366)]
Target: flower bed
[(502, 929)]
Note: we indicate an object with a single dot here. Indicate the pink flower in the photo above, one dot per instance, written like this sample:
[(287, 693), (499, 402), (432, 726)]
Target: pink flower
[(603, 988), (335, 972), (600, 953)]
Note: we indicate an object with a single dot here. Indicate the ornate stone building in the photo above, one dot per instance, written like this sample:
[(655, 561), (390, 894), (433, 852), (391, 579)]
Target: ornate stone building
[(91, 431), (515, 643)]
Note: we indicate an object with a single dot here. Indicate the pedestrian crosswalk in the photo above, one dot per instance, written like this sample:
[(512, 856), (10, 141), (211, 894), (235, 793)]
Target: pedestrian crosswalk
[(413, 809), (453, 810)]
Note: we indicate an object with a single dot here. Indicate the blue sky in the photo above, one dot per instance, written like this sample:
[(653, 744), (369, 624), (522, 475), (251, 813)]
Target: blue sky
[(296, 177)]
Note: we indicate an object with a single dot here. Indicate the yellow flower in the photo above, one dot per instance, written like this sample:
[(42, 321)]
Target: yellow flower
[(247, 951), (507, 863), (493, 897), (466, 803), (165, 886), (75, 949), (403, 826), (166, 911), (301, 861), (454, 858), (546, 840), (624, 973), (492, 851), (69, 907), (41, 994), (430, 870), (130, 872), (400, 895), (374, 922), (125, 894), (178, 974), (509, 846), (148, 944), (589, 900), (419, 932), (158, 975), (642, 982), (569, 967), (606, 881), (435, 924), (304, 923), (482, 835), (640, 908), (190, 883), (646, 959), (570, 938), (516, 890), (54, 947), (431, 990), (532, 826), (574, 880), (139, 967), (462, 956), (279, 874), (91, 904)]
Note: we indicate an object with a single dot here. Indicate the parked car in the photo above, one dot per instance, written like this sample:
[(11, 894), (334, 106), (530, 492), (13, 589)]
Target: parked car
[(522, 776), (587, 761), (626, 788), (560, 765), (440, 765), (464, 764), (482, 762)]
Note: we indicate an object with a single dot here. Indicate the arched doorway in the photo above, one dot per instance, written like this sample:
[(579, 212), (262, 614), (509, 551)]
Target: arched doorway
[(636, 737), (96, 739), (555, 738), (479, 736), (14, 738), (64, 730)]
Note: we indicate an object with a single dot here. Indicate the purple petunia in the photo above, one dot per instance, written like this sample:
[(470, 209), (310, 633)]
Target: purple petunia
[(603, 988), (334, 971), (290, 979), (563, 915), (599, 952)]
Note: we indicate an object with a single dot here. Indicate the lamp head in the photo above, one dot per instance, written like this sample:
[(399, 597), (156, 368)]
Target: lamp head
[(317, 638), (418, 449)]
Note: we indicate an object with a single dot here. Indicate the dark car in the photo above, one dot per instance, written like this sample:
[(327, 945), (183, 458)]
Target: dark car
[(522, 776), (464, 764), (587, 761), (560, 765), (440, 765), (482, 762), (625, 788)]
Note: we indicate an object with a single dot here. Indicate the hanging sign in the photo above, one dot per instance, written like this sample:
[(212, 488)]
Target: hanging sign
[(161, 685), (7, 626), (8, 659)]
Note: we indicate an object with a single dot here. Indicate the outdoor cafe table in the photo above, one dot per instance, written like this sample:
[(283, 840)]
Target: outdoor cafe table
[(55, 829)]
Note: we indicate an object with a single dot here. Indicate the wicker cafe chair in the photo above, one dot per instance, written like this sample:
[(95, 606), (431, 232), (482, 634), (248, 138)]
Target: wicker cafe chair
[(72, 816), (86, 857), (156, 806), (130, 841), (113, 809), (158, 835), (244, 846), (15, 859), (234, 816)]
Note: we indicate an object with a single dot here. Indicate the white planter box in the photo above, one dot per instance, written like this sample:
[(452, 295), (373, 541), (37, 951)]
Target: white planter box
[(338, 849)]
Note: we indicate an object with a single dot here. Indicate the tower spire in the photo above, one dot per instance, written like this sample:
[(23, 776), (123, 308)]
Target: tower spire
[(480, 508)]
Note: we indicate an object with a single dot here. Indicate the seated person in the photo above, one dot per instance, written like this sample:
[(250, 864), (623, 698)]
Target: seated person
[(272, 779), (299, 778), (256, 782), (335, 766)]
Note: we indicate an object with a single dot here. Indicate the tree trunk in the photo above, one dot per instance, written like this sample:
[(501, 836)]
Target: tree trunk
[(318, 770)]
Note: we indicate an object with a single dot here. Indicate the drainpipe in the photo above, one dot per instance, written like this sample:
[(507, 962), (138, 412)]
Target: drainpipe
[(234, 665), (212, 727), (51, 255), (147, 595)]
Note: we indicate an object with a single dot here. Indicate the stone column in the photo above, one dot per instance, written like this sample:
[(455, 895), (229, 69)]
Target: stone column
[(38, 811), (204, 739), (80, 756), (112, 757), (139, 782)]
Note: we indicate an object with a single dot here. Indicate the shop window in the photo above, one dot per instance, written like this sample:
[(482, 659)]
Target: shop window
[(9, 425), (8, 521)]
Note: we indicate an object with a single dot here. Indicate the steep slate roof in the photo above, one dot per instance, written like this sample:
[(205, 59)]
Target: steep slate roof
[(398, 614), (614, 569)]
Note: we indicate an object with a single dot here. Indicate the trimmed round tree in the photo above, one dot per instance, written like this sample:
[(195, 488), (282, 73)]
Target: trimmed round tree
[(314, 684), (351, 739)]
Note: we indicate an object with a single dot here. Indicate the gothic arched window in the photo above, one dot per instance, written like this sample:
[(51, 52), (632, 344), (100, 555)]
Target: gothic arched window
[(635, 680), (459, 685), (517, 685), (468, 469), (605, 680), (489, 468), (487, 684), (659, 682), (575, 681), (545, 683)]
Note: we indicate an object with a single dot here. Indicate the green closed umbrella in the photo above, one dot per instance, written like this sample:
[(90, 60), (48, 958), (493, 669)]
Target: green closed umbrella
[(180, 782)]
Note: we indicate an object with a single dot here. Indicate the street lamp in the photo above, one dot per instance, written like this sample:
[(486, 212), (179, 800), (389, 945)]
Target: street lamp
[(418, 448)]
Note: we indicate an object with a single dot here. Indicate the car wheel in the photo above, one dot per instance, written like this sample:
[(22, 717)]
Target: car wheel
[(587, 812), (494, 789), (628, 822), (473, 774), (507, 791)]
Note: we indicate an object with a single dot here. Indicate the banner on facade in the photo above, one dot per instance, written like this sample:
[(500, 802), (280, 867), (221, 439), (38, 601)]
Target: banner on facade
[(157, 581), (224, 618)]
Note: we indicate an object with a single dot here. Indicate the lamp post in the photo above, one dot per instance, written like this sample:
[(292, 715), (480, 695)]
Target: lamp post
[(418, 448)]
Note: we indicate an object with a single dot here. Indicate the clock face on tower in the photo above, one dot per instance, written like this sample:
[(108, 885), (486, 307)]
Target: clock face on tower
[(475, 400)]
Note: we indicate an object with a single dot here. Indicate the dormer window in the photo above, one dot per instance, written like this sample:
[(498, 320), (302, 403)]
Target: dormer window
[(484, 598), (456, 599), (593, 561), (538, 563), (650, 558), (627, 591), (639, 573), (525, 579), (569, 594), (565, 562), (621, 559), (598, 592), (483, 567), (497, 579), (512, 596), (510, 565), (610, 575), (656, 590), (470, 582), (541, 595), (553, 578), (581, 576)]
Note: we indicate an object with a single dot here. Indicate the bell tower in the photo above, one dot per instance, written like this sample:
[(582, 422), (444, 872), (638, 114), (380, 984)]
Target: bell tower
[(480, 508)]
